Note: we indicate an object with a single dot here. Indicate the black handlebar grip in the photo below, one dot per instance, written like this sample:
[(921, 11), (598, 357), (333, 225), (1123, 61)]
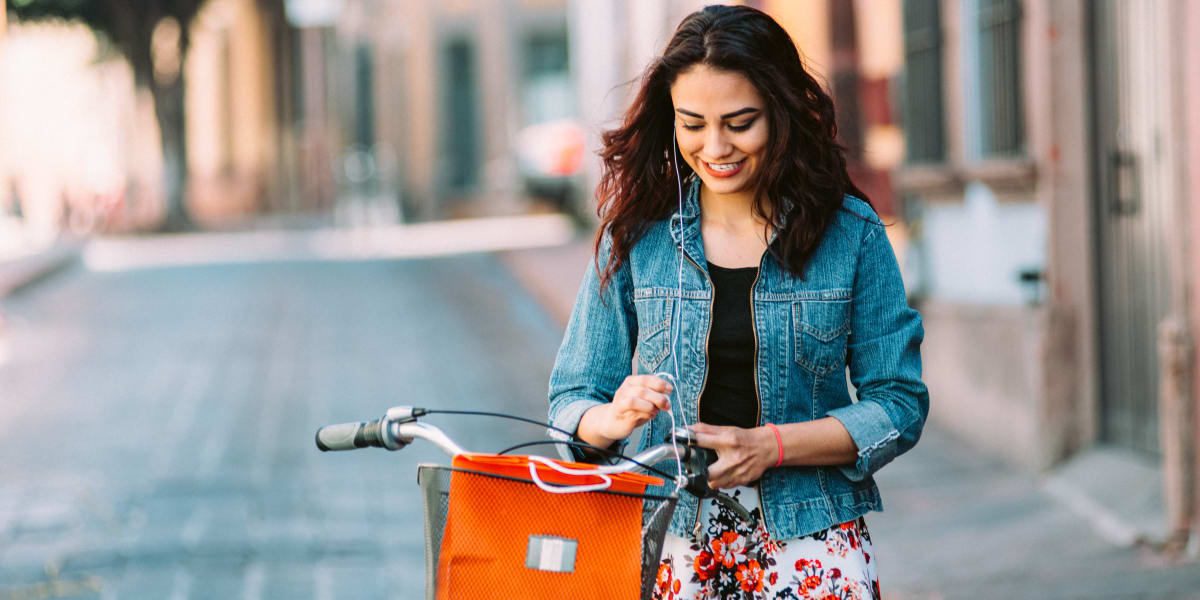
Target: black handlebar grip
[(348, 436)]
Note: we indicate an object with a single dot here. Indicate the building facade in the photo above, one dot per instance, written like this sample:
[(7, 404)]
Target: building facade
[(438, 94), (1049, 161)]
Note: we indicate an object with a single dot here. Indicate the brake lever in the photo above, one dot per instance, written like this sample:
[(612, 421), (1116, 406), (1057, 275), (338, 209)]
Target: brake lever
[(733, 505)]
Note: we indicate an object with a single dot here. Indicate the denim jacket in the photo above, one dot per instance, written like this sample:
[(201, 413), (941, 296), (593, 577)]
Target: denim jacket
[(849, 309)]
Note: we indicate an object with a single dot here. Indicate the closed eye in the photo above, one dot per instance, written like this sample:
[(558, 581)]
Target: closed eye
[(737, 128), (743, 126)]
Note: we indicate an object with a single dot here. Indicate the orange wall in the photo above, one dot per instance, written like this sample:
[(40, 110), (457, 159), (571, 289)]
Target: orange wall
[(808, 24)]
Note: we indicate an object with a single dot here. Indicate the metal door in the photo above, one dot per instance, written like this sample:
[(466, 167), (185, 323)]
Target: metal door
[(1134, 197)]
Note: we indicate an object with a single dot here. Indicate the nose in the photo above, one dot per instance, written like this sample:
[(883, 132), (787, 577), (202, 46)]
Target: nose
[(715, 143)]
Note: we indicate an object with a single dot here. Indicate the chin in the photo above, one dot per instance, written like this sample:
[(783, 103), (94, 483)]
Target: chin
[(727, 186)]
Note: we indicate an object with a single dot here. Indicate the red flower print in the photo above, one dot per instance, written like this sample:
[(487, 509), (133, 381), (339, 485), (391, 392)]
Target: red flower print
[(800, 564), (666, 586), (835, 573), (867, 556), (812, 581), (664, 574), (704, 565), (773, 577), (750, 576), (728, 548), (847, 525), (816, 563)]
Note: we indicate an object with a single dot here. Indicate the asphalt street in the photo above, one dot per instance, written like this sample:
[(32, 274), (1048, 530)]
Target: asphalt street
[(157, 424), (157, 415)]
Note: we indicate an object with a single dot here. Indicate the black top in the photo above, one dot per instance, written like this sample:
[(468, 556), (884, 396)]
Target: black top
[(729, 397)]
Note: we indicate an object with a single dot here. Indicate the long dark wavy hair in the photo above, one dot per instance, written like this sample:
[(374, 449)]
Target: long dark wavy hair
[(803, 176)]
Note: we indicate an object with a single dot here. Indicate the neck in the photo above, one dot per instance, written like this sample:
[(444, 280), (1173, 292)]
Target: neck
[(729, 211)]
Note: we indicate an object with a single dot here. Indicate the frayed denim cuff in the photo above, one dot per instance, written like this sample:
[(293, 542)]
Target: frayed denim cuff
[(873, 433)]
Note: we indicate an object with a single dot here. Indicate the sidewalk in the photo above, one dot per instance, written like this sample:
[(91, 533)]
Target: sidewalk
[(957, 524)]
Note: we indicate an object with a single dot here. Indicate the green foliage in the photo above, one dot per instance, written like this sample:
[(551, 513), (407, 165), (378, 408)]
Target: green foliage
[(93, 13), (127, 23)]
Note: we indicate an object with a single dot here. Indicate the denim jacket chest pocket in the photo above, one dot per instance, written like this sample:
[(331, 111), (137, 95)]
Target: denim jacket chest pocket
[(819, 328), (654, 307)]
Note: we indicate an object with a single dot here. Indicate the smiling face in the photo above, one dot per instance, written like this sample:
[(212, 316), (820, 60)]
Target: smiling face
[(721, 128)]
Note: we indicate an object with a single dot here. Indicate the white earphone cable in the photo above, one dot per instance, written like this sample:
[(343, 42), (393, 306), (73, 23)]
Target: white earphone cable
[(677, 312)]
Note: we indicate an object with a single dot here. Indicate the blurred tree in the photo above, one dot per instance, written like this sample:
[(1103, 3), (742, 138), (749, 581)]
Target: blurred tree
[(153, 37)]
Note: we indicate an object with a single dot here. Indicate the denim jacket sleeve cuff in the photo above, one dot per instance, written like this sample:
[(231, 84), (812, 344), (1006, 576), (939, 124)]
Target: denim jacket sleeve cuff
[(568, 419), (873, 432)]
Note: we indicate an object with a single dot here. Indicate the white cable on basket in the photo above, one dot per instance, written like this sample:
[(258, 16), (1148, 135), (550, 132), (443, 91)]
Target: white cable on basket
[(566, 489)]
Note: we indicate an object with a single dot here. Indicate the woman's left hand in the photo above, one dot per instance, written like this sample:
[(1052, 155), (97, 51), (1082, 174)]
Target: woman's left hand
[(742, 454)]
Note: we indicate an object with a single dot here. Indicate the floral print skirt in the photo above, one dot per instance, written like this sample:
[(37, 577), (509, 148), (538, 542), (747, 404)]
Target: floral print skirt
[(733, 559)]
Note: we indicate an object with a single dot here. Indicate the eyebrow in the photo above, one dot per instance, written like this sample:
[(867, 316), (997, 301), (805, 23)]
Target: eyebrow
[(726, 116)]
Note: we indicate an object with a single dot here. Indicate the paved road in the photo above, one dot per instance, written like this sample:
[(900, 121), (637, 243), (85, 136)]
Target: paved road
[(156, 440), (156, 425)]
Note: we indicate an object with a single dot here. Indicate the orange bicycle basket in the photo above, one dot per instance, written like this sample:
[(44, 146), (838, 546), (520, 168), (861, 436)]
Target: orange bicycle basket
[(506, 538)]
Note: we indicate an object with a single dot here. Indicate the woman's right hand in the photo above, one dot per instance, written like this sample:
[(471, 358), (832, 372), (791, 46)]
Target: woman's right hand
[(636, 401)]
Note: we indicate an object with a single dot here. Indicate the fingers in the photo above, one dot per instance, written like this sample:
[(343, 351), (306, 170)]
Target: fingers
[(723, 474), (652, 382), (732, 471), (644, 406), (648, 388), (714, 437), (738, 463)]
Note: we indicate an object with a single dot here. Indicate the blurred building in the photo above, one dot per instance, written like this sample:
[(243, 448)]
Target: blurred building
[(81, 150), (434, 100), (355, 111), (1049, 157), (232, 111), (71, 149)]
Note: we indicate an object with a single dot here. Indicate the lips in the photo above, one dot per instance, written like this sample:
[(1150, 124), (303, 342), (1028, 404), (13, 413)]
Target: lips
[(723, 170)]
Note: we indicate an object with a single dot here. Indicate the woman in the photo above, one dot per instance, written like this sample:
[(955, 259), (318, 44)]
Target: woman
[(787, 278)]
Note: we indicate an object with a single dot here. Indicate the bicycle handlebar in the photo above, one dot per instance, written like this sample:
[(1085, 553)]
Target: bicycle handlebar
[(398, 428), (350, 436)]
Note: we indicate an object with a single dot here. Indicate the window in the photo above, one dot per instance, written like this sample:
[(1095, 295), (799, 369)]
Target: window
[(923, 112), (460, 125), (1001, 133), (547, 87)]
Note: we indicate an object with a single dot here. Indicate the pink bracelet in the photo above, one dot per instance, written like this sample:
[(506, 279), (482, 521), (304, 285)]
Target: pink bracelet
[(779, 440)]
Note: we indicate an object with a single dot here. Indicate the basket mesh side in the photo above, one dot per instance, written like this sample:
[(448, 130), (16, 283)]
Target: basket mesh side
[(657, 517), (435, 486)]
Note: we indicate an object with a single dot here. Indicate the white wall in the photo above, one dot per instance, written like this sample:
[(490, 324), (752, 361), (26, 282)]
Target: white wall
[(975, 249)]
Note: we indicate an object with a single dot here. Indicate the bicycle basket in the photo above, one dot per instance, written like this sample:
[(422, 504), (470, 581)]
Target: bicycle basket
[(491, 533)]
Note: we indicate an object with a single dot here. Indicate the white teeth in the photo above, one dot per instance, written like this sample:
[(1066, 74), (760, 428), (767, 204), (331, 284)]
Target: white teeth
[(724, 167)]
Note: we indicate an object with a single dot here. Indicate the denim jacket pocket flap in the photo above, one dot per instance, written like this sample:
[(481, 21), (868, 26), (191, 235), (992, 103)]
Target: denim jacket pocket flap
[(820, 328), (654, 314)]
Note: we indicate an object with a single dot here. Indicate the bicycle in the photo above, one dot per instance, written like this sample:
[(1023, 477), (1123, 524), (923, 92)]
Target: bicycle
[(493, 520)]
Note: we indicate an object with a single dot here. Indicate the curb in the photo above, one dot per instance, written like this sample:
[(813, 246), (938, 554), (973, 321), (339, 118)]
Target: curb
[(21, 273)]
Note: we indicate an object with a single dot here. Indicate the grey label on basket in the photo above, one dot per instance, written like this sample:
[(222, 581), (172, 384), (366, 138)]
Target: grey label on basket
[(548, 553)]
